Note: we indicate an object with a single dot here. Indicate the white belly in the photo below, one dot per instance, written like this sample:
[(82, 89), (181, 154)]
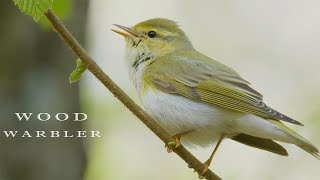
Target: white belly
[(177, 114)]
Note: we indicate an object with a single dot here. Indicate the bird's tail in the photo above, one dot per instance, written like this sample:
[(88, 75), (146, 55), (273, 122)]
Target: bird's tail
[(299, 140)]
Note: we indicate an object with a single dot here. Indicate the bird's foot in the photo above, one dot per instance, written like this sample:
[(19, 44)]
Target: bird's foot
[(208, 162), (173, 144), (170, 146), (205, 169)]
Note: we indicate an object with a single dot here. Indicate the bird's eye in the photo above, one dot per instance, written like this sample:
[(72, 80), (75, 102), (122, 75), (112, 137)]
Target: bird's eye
[(152, 34)]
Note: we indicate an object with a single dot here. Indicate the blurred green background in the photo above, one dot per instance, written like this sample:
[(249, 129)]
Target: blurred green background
[(273, 44)]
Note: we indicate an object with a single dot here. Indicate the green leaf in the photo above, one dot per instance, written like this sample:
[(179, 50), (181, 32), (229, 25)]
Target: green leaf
[(35, 8), (62, 8), (77, 73)]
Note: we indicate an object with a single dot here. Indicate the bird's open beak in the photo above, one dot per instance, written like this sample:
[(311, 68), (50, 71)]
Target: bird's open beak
[(130, 33)]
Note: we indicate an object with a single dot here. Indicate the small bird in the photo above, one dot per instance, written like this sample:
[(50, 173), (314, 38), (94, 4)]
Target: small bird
[(198, 99)]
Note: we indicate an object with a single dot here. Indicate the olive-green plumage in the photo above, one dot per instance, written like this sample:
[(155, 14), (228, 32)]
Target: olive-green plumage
[(186, 90), (208, 81)]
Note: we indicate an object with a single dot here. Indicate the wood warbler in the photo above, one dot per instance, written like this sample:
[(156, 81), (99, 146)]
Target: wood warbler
[(197, 98)]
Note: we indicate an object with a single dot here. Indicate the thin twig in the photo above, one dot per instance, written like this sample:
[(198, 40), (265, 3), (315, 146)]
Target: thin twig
[(123, 97)]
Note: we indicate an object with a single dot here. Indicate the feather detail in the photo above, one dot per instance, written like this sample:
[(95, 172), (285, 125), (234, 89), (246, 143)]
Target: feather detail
[(200, 78), (299, 140), (261, 143)]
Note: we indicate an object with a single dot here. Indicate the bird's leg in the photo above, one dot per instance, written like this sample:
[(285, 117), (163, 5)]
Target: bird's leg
[(173, 145), (208, 162)]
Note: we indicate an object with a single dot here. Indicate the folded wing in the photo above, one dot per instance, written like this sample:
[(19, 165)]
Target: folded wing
[(211, 82)]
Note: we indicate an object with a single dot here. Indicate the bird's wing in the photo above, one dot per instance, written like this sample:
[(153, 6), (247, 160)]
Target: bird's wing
[(210, 82)]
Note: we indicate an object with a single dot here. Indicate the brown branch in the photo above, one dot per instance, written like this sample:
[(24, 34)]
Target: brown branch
[(123, 97)]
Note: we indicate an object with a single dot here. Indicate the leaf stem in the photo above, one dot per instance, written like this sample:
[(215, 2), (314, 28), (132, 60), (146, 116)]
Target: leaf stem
[(123, 97)]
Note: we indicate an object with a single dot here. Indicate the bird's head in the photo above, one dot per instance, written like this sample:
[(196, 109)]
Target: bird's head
[(156, 37)]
